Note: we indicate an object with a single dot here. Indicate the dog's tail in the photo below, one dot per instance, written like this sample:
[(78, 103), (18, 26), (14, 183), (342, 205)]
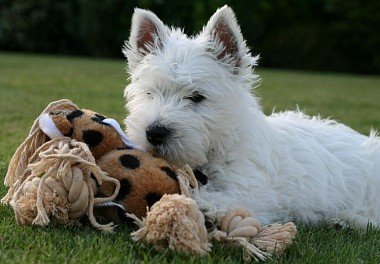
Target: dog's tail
[(373, 149)]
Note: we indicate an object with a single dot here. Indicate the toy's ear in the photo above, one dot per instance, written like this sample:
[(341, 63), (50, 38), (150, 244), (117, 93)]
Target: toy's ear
[(55, 126), (124, 137)]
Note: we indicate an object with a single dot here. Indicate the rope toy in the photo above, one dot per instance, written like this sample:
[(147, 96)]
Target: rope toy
[(58, 185), (27, 149), (176, 222)]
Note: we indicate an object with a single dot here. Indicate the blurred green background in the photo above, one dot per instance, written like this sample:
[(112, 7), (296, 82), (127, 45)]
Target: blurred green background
[(333, 35)]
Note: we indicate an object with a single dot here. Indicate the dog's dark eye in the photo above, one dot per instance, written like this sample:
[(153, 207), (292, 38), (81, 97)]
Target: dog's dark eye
[(196, 97)]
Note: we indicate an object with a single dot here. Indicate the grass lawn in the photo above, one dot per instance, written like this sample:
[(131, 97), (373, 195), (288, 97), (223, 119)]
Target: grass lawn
[(29, 82)]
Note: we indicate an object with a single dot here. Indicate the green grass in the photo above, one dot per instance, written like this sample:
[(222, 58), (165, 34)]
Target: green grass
[(29, 82)]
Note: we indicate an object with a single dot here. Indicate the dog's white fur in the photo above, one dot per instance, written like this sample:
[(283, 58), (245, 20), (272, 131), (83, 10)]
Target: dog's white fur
[(287, 166)]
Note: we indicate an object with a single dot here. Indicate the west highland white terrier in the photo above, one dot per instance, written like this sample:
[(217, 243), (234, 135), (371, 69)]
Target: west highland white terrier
[(190, 101)]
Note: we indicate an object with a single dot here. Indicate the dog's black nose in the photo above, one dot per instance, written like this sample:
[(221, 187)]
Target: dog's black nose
[(156, 134)]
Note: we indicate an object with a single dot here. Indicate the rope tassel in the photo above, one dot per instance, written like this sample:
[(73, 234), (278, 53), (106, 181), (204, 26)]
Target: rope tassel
[(58, 186), (28, 149), (174, 222)]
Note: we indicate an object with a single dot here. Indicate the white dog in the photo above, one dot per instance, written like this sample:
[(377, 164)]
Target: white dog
[(190, 101)]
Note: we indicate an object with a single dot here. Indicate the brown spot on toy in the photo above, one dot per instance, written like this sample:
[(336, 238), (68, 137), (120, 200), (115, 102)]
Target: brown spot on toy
[(74, 114), (152, 198), (92, 138), (169, 172), (129, 161), (125, 189)]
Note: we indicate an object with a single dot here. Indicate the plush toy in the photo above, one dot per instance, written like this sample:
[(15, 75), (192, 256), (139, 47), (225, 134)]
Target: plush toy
[(74, 150), (76, 161), (143, 178)]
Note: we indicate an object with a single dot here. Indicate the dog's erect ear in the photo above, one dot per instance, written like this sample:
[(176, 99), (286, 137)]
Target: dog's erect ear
[(224, 32), (148, 34)]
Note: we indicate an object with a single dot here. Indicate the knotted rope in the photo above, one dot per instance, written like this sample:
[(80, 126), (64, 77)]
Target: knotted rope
[(35, 139), (57, 184), (239, 227), (176, 222)]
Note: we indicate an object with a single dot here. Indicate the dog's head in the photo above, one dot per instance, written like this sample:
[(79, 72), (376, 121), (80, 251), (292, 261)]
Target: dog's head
[(186, 92)]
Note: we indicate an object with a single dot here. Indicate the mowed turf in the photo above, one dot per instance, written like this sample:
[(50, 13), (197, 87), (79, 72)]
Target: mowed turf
[(29, 82)]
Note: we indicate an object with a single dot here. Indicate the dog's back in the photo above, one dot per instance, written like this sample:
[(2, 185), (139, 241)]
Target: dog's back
[(334, 167)]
